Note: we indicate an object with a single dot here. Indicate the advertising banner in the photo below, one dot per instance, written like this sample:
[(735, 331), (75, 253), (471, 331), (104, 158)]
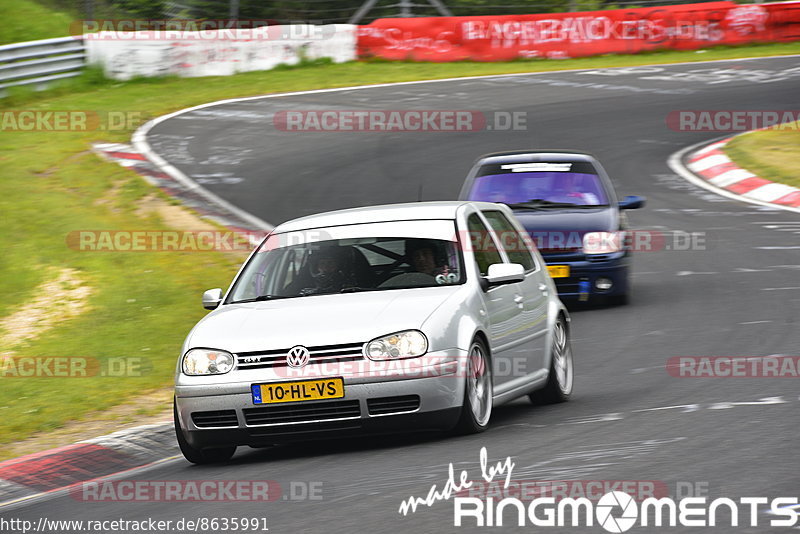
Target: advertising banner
[(568, 35)]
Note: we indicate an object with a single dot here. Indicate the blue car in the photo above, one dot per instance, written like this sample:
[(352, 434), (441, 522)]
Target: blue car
[(567, 203)]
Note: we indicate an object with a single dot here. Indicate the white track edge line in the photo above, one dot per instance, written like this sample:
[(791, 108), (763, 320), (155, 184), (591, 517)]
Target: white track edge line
[(139, 138), (49, 494), (675, 162)]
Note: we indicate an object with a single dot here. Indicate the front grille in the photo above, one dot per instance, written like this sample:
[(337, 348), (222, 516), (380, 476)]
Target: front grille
[(306, 430), (384, 405), (277, 358), (598, 257), (567, 285), (217, 418), (560, 253), (302, 412)]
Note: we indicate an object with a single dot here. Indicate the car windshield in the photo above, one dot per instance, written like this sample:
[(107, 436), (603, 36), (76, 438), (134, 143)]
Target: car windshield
[(540, 189), (348, 265)]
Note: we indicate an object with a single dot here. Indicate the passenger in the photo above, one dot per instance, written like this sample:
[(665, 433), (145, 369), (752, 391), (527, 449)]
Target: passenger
[(421, 256)]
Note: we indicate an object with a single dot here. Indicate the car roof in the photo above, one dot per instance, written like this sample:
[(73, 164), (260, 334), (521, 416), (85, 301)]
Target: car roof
[(519, 156), (382, 213)]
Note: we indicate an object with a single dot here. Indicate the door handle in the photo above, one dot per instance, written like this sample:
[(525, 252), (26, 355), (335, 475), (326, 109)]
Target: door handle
[(518, 299), (543, 288)]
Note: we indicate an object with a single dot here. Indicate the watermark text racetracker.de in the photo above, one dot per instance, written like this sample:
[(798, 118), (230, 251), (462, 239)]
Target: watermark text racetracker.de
[(425, 366), (527, 490), (197, 491), (21, 120), (12, 366), (419, 120), (163, 240), (199, 30), (640, 240), (732, 120), (734, 366)]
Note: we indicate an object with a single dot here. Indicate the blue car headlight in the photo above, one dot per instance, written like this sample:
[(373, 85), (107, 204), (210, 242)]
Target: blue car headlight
[(603, 242)]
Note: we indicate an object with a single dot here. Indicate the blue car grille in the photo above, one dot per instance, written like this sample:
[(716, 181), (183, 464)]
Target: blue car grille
[(567, 285), (554, 257)]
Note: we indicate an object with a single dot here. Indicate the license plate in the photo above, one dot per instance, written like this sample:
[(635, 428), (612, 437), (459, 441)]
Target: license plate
[(305, 390), (558, 271)]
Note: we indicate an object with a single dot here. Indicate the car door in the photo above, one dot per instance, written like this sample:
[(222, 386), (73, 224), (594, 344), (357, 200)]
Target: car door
[(534, 290), (503, 305)]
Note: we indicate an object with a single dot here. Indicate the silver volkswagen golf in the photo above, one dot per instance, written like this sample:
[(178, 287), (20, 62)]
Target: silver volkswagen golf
[(402, 317)]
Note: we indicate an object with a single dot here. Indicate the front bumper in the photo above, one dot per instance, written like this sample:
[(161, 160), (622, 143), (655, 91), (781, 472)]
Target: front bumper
[(427, 398), (585, 270)]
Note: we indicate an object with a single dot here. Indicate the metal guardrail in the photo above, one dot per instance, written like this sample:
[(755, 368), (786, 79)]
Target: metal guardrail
[(39, 63)]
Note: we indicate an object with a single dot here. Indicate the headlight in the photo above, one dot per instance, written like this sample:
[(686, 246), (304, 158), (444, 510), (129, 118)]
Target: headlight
[(407, 344), (207, 362), (603, 242)]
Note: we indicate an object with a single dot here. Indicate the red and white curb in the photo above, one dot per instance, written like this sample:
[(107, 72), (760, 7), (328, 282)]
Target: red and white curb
[(711, 168), (187, 191), (39, 475), (45, 473)]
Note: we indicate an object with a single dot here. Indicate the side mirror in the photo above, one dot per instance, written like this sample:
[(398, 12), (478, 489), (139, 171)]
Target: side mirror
[(632, 202), (212, 298), (505, 273)]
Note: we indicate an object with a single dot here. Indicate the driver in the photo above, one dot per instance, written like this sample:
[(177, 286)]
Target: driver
[(328, 272), (570, 189)]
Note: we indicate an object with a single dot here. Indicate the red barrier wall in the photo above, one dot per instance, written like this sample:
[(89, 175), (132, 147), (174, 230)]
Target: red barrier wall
[(565, 35)]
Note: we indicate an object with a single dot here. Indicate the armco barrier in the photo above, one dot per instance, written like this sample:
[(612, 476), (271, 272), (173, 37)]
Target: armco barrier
[(124, 55), (38, 63), (484, 38), (566, 35), (218, 52)]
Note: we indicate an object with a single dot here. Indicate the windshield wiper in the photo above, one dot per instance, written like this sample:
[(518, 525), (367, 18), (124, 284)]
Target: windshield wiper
[(539, 203), (355, 289), (262, 298)]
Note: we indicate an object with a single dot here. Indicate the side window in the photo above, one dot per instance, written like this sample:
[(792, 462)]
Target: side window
[(483, 245), (509, 238)]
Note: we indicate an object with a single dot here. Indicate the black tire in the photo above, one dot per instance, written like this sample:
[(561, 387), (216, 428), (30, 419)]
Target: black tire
[(625, 298), (478, 390), (619, 300), (561, 376), (199, 456)]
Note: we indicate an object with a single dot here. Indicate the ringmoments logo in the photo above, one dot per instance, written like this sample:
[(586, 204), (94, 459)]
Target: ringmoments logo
[(605, 511), (617, 511)]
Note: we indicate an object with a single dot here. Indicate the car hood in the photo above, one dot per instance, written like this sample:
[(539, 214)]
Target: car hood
[(317, 320), (570, 220)]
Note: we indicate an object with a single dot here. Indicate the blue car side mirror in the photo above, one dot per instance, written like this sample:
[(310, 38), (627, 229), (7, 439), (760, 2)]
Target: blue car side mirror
[(632, 202)]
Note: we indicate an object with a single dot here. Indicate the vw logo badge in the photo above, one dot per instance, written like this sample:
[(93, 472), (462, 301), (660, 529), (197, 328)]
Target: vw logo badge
[(297, 356)]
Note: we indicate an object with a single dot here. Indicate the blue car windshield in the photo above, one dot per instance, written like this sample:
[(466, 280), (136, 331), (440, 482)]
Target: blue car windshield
[(540, 188)]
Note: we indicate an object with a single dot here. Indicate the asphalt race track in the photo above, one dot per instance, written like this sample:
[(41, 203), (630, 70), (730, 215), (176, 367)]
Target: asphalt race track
[(736, 294)]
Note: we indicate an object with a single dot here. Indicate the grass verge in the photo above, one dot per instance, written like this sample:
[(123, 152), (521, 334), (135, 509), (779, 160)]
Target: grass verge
[(27, 20), (771, 154), (143, 304)]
